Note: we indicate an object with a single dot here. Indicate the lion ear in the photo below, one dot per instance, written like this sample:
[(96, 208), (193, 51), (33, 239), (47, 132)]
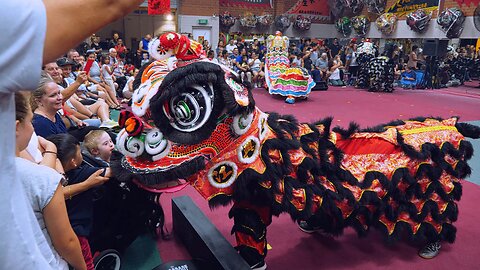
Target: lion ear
[(239, 99), (157, 51)]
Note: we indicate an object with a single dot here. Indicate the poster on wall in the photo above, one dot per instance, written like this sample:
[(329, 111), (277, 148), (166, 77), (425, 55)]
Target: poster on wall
[(316, 10), (247, 3), (403, 7)]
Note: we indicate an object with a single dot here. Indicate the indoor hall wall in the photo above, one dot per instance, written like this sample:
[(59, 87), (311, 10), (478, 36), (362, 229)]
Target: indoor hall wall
[(137, 24), (187, 24), (210, 7)]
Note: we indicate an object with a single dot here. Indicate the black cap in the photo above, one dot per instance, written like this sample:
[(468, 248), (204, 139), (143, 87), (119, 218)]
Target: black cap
[(61, 62)]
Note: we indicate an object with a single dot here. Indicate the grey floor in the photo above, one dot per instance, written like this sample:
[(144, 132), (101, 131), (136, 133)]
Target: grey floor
[(475, 161)]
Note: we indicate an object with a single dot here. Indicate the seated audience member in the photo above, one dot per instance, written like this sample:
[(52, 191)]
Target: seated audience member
[(119, 71), (94, 76), (128, 89), (223, 59), (397, 72), (120, 47), (321, 64), (49, 117), (243, 69), (310, 67), (335, 78), (74, 56), (44, 191), (297, 60), (70, 77), (99, 145), (87, 113), (108, 79), (145, 59), (211, 56), (129, 67), (82, 179), (409, 78), (95, 44), (256, 68), (412, 58), (34, 152)]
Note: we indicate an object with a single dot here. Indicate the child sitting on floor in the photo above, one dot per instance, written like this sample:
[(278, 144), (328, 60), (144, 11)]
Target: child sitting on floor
[(409, 79), (99, 145)]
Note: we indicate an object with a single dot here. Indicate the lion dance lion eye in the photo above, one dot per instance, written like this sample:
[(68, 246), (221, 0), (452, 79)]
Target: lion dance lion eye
[(189, 110)]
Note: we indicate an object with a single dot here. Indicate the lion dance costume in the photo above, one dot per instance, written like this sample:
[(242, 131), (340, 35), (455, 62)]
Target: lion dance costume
[(376, 73), (281, 79), (194, 120)]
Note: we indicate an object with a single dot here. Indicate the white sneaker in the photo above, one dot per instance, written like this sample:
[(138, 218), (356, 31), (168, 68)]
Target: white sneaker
[(109, 124), (259, 266), (430, 251)]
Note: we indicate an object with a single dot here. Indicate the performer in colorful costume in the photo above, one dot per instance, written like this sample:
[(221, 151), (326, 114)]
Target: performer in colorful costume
[(194, 120), (376, 73), (282, 79)]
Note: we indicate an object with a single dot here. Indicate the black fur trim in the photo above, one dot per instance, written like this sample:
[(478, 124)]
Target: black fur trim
[(248, 222), (219, 200), (468, 130), (124, 174), (466, 148), (346, 133)]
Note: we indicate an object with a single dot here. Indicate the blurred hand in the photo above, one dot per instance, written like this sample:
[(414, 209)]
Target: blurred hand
[(46, 145), (96, 179), (81, 77), (81, 124)]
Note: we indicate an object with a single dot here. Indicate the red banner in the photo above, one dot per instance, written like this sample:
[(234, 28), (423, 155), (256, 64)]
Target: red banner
[(467, 3), (158, 7), (316, 10), (247, 3)]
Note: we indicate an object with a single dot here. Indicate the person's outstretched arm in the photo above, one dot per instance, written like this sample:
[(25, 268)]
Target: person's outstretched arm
[(58, 226), (85, 16)]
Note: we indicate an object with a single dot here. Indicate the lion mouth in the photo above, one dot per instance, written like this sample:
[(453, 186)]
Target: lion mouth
[(166, 187), (150, 174)]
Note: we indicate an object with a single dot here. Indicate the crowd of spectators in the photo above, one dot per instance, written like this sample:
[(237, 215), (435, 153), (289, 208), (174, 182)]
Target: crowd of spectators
[(327, 60)]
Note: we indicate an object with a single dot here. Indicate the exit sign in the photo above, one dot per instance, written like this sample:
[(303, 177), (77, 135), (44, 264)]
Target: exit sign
[(202, 21)]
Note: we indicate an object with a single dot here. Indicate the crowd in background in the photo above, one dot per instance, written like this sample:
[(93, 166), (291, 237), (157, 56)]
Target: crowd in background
[(329, 60)]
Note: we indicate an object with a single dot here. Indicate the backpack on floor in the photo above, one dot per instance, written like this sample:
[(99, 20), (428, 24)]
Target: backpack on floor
[(320, 86)]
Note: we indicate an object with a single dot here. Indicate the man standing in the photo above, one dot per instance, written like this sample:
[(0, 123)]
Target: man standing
[(143, 45), (117, 64), (334, 47), (120, 47)]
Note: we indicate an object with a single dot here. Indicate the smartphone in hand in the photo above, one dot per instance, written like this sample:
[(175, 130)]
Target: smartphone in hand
[(88, 65)]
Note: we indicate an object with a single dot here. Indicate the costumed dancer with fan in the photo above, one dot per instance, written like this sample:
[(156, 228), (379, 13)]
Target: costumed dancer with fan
[(281, 79)]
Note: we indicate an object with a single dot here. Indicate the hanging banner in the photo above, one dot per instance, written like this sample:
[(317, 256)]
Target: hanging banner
[(403, 7), (468, 3), (158, 7), (316, 10), (247, 3)]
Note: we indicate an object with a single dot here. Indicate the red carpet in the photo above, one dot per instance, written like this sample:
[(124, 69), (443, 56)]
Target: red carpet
[(293, 249)]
